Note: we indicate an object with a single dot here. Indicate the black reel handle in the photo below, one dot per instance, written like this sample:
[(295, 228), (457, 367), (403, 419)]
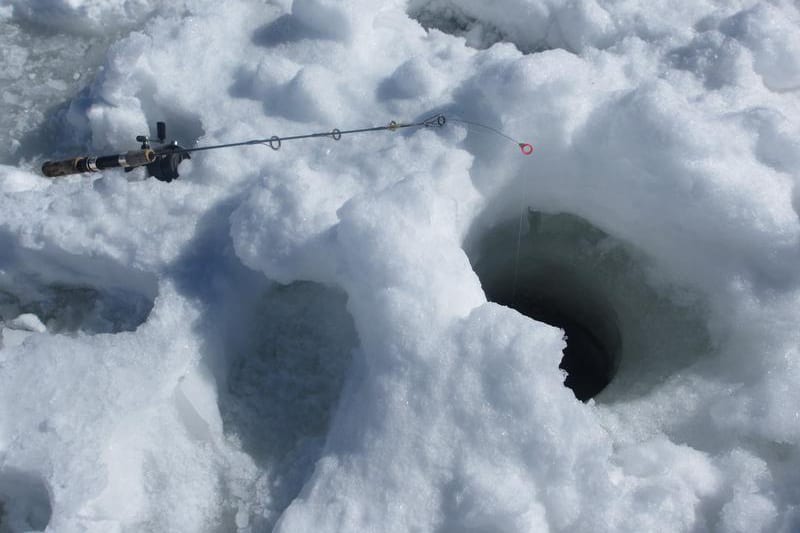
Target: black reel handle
[(167, 160)]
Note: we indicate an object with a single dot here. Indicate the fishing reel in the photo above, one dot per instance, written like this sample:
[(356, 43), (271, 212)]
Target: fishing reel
[(167, 156), (161, 162)]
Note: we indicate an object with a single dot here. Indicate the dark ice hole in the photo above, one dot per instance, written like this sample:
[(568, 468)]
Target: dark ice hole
[(24, 501), (448, 16), (554, 281), (588, 361)]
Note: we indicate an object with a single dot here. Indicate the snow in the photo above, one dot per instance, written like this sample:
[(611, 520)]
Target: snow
[(310, 339)]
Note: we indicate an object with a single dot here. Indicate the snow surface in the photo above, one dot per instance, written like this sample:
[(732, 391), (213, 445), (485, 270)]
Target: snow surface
[(298, 339)]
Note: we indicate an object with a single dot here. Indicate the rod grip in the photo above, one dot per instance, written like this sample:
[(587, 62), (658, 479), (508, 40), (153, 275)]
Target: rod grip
[(78, 165), (55, 169)]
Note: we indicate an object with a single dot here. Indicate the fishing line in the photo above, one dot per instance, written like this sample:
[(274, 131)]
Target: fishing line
[(526, 148), (516, 255)]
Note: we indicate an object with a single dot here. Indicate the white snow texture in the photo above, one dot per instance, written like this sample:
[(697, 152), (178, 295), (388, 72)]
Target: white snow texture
[(297, 340)]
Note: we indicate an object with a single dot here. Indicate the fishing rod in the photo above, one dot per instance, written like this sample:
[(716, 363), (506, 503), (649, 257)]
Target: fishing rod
[(162, 162)]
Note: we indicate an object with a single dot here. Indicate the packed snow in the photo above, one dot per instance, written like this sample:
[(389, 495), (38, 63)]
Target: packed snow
[(349, 335)]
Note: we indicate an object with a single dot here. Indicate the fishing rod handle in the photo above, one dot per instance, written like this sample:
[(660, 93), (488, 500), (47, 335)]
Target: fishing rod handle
[(79, 165)]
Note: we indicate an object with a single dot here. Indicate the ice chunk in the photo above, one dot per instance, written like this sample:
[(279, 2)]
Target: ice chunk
[(27, 322), (16, 180)]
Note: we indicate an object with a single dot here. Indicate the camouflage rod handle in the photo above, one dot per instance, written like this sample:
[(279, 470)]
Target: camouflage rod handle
[(77, 165)]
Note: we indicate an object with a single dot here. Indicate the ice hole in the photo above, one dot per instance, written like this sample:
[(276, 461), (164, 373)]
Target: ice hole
[(69, 309), (451, 20), (285, 373), (624, 335), (448, 16), (71, 293), (24, 502)]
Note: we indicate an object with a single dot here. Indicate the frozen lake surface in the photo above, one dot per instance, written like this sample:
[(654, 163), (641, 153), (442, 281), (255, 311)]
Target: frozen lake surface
[(374, 333)]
